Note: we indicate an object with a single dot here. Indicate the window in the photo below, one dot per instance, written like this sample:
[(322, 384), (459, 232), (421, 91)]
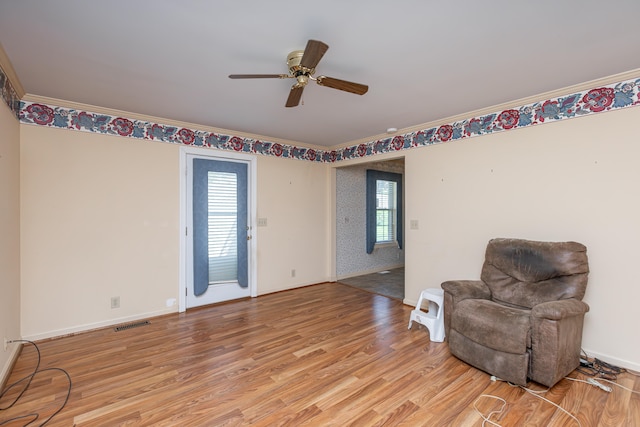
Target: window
[(384, 208), (222, 226)]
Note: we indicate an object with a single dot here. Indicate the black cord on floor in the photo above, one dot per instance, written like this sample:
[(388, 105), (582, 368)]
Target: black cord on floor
[(28, 380), (596, 367)]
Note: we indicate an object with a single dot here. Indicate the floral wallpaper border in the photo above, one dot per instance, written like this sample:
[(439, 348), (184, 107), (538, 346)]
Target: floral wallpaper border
[(9, 94), (606, 98)]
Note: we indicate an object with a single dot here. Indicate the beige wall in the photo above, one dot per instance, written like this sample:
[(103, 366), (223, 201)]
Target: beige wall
[(293, 196), (571, 180), (9, 234), (100, 218)]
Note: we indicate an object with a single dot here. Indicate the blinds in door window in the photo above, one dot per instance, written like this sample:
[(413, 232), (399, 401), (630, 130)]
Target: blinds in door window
[(222, 210)]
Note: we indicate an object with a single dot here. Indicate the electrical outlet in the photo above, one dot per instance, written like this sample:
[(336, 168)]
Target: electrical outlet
[(115, 302), (293, 272)]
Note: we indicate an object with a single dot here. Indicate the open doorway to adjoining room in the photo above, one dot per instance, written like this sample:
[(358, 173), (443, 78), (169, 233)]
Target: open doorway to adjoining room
[(382, 270)]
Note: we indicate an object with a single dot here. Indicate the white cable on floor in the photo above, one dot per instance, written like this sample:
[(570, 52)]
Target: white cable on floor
[(487, 418), (534, 393), (619, 385)]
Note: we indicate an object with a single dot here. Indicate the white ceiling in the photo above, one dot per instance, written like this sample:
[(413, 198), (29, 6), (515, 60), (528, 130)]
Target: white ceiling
[(423, 60)]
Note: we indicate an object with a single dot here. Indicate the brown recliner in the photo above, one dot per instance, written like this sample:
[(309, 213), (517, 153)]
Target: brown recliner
[(524, 318)]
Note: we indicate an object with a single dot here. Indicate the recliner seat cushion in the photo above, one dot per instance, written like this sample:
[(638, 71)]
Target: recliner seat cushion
[(496, 326), (507, 366)]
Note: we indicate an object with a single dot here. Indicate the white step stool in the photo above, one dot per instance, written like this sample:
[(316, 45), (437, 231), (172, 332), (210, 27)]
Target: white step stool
[(433, 319)]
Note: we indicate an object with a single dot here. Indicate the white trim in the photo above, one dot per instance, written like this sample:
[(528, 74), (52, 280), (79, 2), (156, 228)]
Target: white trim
[(386, 244), (370, 271), (515, 103), (614, 360), (252, 246), (14, 349), (57, 333)]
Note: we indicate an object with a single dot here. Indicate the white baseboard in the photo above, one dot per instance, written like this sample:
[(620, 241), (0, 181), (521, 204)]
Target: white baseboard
[(371, 271), (98, 325), (614, 360), (290, 287), (409, 302), (14, 348)]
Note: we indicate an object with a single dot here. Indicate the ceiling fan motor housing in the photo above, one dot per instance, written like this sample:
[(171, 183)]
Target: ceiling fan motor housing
[(293, 62)]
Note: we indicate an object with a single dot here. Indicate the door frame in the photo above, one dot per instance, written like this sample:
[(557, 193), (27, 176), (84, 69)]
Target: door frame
[(185, 210)]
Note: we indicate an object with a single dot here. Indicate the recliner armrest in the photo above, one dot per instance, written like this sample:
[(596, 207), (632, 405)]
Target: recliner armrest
[(561, 309), (465, 289)]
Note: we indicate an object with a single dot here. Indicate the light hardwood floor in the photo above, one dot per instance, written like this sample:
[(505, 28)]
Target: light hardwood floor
[(324, 355)]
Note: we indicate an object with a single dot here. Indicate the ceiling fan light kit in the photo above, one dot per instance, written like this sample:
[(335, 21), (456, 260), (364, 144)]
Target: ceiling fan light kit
[(302, 66)]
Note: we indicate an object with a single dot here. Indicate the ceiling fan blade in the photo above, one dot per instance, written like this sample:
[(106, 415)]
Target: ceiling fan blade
[(294, 96), (313, 53), (344, 85), (258, 76)]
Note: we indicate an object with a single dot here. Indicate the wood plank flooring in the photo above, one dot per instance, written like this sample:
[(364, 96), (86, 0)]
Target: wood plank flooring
[(324, 355)]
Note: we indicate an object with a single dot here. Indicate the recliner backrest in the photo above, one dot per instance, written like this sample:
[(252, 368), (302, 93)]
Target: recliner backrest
[(525, 273)]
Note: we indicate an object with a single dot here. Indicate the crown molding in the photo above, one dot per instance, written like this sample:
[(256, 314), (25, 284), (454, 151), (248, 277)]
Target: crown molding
[(60, 114), (584, 86), (606, 94), (6, 66), (29, 97), (568, 90)]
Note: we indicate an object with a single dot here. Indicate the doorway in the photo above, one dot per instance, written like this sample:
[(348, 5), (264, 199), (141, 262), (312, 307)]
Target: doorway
[(382, 270), (218, 246)]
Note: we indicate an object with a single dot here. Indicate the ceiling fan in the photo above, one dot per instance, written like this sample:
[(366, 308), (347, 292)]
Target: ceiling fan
[(302, 65)]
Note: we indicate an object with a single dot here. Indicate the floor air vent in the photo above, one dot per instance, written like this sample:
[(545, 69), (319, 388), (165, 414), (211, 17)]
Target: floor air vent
[(131, 325)]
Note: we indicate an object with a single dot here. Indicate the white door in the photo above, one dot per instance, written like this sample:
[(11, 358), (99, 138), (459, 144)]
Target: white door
[(218, 231)]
